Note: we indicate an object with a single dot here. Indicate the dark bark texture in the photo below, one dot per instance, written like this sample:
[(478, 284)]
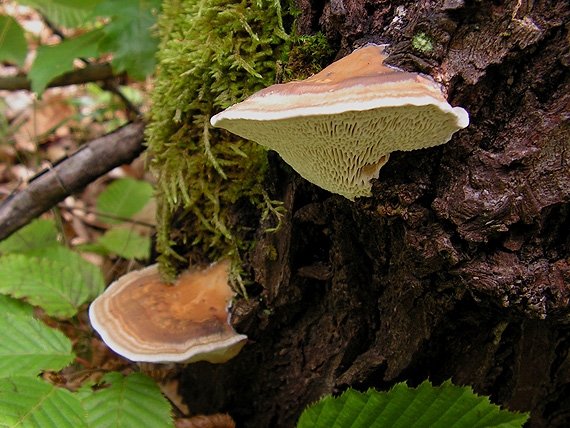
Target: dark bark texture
[(457, 267)]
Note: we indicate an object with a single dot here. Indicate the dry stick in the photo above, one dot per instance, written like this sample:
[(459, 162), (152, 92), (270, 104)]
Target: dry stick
[(70, 176), (91, 73), (71, 209)]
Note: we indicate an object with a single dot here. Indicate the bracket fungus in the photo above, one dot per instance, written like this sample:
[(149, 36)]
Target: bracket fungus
[(145, 319), (338, 127)]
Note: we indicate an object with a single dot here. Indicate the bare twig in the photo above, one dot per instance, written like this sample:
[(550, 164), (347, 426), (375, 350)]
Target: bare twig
[(70, 176), (90, 73), (70, 209), (114, 88)]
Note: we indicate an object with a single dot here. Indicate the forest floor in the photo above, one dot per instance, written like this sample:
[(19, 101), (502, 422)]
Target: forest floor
[(37, 133)]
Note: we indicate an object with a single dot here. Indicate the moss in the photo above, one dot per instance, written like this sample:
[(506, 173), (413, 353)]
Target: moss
[(422, 42), (308, 55), (213, 53)]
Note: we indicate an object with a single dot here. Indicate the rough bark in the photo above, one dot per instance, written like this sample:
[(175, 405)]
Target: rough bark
[(457, 267)]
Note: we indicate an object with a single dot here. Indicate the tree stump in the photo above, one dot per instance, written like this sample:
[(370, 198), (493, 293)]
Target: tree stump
[(457, 267)]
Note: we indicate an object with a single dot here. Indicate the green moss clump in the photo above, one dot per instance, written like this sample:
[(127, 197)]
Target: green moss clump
[(422, 42), (213, 53), (308, 55)]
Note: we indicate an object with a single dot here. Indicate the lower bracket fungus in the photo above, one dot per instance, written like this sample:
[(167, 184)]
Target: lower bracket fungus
[(338, 127), (145, 319)]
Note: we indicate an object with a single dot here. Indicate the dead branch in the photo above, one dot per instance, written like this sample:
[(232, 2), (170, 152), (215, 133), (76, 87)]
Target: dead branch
[(90, 73), (70, 176)]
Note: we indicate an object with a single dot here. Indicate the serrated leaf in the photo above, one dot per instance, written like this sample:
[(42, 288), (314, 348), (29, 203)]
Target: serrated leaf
[(131, 402), (123, 198), (13, 45), (425, 406), (9, 305), (65, 13), (85, 390), (29, 402), (91, 274), (53, 61), (28, 346), (40, 239), (52, 285), (39, 233), (129, 35), (126, 244)]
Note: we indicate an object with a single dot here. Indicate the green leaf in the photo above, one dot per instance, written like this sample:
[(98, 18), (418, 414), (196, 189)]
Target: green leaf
[(53, 61), (129, 35), (65, 13), (15, 307), (123, 198), (28, 346), (133, 401), (85, 390), (53, 285), (13, 45), (126, 244), (92, 277), (28, 402), (40, 233), (424, 406), (39, 239)]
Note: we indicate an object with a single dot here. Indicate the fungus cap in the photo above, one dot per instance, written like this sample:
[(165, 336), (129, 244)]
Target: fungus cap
[(338, 127), (145, 319)]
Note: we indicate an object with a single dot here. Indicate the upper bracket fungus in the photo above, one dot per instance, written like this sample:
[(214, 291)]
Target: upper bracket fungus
[(145, 319), (338, 127)]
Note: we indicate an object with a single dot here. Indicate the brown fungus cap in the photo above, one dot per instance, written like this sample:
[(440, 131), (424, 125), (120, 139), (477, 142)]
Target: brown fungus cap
[(338, 127), (144, 319)]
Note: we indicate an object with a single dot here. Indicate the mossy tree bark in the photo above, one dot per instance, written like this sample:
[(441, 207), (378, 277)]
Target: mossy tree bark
[(457, 266)]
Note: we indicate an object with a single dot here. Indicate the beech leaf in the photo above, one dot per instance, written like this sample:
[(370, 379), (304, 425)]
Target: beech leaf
[(129, 35), (131, 401), (123, 198), (425, 406), (29, 402), (92, 277), (51, 284), (65, 13), (15, 306), (40, 233), (27, 346), (53, 61), (13, 45), (126, 243)]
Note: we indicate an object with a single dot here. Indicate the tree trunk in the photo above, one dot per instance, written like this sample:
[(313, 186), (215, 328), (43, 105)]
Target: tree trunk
[(457, 266)]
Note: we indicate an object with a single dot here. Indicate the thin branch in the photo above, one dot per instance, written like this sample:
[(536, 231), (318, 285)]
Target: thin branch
[(113, 87), (90, 73), (70, 209), (70, 176)]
